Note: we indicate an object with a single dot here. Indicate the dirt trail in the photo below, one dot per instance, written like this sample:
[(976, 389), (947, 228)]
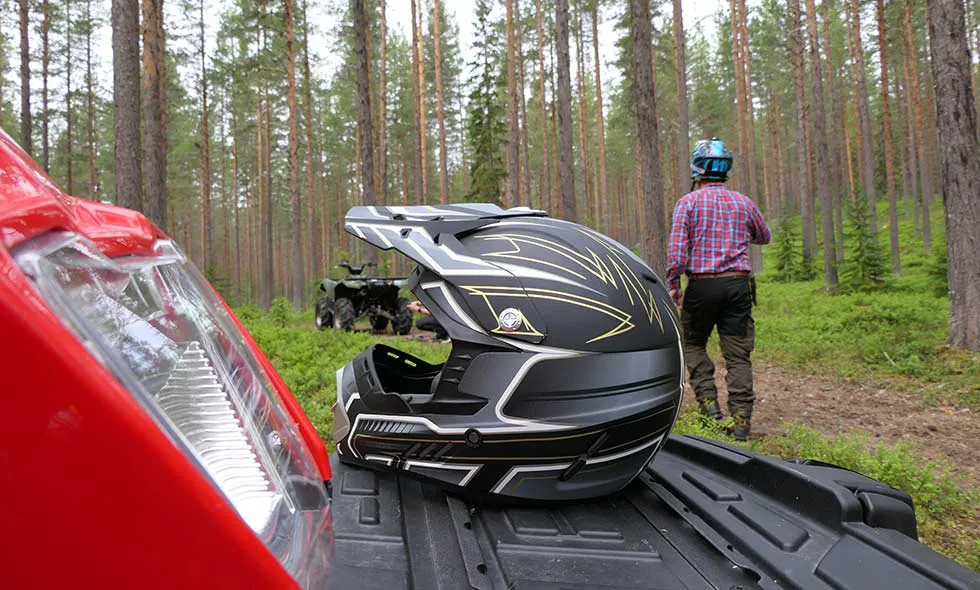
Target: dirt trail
[(832, 406)]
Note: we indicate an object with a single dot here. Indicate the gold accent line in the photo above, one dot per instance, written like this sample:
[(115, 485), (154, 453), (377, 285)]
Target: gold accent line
[(604, 269), (622, 276), (555, 247), (513, 256), (625, 325), (650, 304)]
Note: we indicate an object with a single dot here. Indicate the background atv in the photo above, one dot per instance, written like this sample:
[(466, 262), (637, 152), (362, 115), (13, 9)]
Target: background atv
[(343, 301)]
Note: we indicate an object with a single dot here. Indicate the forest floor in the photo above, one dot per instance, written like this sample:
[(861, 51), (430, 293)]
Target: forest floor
[(834, 406)]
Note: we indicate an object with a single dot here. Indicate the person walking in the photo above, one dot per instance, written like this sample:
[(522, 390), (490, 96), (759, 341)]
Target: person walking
[(711, 231)]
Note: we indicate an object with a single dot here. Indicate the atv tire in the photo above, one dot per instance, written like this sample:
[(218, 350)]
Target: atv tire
[(379, 323), (402, 322), (323, 318), (343, 314)]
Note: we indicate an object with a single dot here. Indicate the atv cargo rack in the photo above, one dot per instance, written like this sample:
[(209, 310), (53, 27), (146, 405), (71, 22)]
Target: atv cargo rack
[(703, 514)]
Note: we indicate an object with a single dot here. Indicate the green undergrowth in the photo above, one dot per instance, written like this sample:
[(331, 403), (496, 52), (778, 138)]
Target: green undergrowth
[(308, 359), (894, 333)]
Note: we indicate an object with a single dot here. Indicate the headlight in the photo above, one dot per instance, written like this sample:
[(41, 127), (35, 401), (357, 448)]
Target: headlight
[(156, 324)]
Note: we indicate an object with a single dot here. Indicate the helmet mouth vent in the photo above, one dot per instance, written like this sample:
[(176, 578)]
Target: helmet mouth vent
[(395, 382)]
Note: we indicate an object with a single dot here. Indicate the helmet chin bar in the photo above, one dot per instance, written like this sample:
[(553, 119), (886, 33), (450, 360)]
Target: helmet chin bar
[(564, 376)]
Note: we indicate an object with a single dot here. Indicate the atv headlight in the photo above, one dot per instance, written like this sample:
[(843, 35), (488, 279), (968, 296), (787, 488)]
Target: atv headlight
[(156, 324)]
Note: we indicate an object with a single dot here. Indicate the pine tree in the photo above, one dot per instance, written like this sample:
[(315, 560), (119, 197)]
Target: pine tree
[(26, 129), (602, 218), (440, 110), (545, 190), (514, 137), (154, 147), (651, 187), (566, 162), (886, 128), (486, 128), (820, 130), (45, 64), (364, 119), (298, 286), (788, 267), (680, 67), (864, 269), (960, 162), (126, 102)]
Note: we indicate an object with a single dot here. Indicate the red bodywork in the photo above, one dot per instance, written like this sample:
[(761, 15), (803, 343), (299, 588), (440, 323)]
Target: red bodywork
[(92, 494)]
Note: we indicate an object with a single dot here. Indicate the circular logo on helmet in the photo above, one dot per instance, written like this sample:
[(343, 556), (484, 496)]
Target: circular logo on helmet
[(510, 319)]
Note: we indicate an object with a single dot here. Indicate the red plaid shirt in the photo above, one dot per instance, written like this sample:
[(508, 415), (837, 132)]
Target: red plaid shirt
[(711, 232)]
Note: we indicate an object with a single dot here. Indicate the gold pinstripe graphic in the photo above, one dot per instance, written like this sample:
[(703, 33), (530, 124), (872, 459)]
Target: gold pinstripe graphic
[(605, 269), (624, 318)]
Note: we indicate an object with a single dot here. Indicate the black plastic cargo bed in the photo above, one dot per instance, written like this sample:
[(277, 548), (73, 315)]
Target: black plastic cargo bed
[(702, 515)]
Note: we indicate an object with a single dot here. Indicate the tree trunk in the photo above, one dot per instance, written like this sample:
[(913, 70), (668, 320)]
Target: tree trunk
[(925, 175), (740, 172), (237, 276), (683, 133), (826, 202), (383, 111), (886, 116), (582, 125), (298, 279), (544, 197), (833, 124), (25, 81), (69, 112), (265, 218), (566, 161), (310, 169), (126, 103), (603, 185), (364, 110), (912, 170), (850, 157), (154, 153), (807, 205), (654, 240), (522, 103), (440, 114), (959, 160), (417, 94), (423, 128), (204, 155), (749, 114), (555, 200), (514, 138), (864, 119), (45, 62), (90, 101)]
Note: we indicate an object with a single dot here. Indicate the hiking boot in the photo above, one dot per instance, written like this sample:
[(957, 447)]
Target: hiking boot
[(710, 408), (741, 428)]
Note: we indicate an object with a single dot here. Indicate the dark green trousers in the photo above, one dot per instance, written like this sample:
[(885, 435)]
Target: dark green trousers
[(725, 303)]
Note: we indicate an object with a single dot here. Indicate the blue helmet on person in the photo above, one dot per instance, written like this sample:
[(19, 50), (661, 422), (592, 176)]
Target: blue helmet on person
[(710, 160)]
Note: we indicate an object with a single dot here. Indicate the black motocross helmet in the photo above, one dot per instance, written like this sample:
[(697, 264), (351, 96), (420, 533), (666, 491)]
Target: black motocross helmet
[(565, 374)]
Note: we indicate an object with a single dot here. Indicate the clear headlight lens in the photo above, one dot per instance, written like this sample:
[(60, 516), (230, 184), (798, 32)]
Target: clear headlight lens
[(158, 326)]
